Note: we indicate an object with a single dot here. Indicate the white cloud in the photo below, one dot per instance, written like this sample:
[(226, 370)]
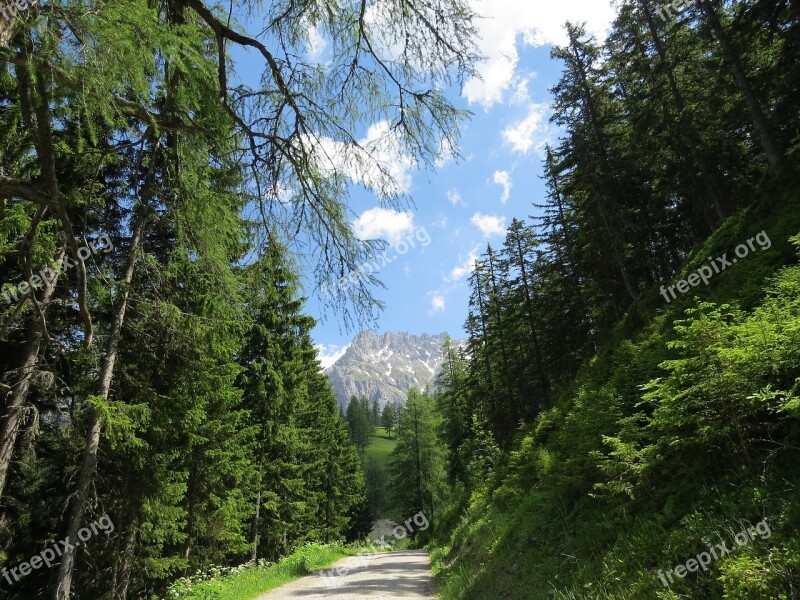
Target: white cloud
[(503, 178), (489, 224), (383, 224), (378, 163), (531, 131), (521, 94), (437, 303), (317, 44), (441, 222), (465, 267), (455, 198), (497, 75), (329, 353), (538, 23)]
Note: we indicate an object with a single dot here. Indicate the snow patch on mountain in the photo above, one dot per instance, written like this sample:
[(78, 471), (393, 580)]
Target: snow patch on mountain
[(385, 367)]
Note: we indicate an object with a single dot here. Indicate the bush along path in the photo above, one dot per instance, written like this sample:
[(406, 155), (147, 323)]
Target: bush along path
[(248, 581)]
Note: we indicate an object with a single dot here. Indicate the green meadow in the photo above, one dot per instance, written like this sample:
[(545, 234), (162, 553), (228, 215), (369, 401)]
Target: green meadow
[(380, 447)]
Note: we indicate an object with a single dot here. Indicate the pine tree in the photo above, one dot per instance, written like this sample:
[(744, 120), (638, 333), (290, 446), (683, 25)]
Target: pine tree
[(358, 422), (455, 408), (417, 462), (388, 418), (375, 414)]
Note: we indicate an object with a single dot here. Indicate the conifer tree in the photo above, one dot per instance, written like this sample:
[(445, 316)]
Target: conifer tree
[(358, 422), (388, 418), (417, 462), (375, 413)]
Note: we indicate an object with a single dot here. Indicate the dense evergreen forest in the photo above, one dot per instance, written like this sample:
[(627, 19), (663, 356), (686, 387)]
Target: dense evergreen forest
[(628, 396), (157, 202)]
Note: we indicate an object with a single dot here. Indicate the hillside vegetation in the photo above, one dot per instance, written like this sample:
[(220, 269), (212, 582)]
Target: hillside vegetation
[(624, 422), (670, 441), (380, 447)]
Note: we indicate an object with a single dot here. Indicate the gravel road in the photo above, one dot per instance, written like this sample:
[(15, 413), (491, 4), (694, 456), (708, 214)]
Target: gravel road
[(383, 576)]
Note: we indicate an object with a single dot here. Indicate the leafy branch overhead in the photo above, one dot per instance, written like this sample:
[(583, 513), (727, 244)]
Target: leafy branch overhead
[(298, 125)]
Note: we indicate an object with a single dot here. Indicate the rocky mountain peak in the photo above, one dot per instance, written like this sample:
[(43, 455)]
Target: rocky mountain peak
[(385, 367)]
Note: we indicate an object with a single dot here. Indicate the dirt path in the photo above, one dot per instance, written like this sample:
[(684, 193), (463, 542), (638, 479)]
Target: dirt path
[(384, 576)]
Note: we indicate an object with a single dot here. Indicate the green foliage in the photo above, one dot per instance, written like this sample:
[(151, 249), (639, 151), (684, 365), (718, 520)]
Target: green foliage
[(380, 448), (172, 381), (389, 418), (417, 467), (359, 422), (622, 427), (376, 461), (678, 430), (247, 581), (705, 450)]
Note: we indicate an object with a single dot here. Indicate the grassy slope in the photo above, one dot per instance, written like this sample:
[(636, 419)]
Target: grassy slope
[(379, 448), (246, 583), (378, 451), (541, 533)]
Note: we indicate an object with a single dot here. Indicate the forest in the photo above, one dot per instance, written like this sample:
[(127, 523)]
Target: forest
[(626, 401), (164, 411), (614, 414)]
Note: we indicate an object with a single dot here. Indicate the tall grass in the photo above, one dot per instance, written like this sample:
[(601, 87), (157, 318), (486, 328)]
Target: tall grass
[(247, 581)]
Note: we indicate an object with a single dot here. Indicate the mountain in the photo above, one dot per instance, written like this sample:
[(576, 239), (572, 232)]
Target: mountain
[(385, 367)]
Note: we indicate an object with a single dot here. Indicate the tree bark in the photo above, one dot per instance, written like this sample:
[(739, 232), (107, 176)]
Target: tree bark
[(510, 416), (544, 381), (617, 239), (124, 563), (485, 339), (256, 519), (685, 125)]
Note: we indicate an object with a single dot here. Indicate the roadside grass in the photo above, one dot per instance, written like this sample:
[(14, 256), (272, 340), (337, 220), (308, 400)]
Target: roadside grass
[(247, 582)]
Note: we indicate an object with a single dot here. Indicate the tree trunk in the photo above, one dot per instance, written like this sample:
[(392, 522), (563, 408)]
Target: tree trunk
[(763, 129), (87, 470), (544, 382), (487, 362), (124, 563), (617, 239), (420, 501), (20, 384), (256, 519), (511, 407), (687, 129)]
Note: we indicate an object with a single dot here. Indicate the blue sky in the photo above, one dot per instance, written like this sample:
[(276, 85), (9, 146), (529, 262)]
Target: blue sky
[(463, 205)]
